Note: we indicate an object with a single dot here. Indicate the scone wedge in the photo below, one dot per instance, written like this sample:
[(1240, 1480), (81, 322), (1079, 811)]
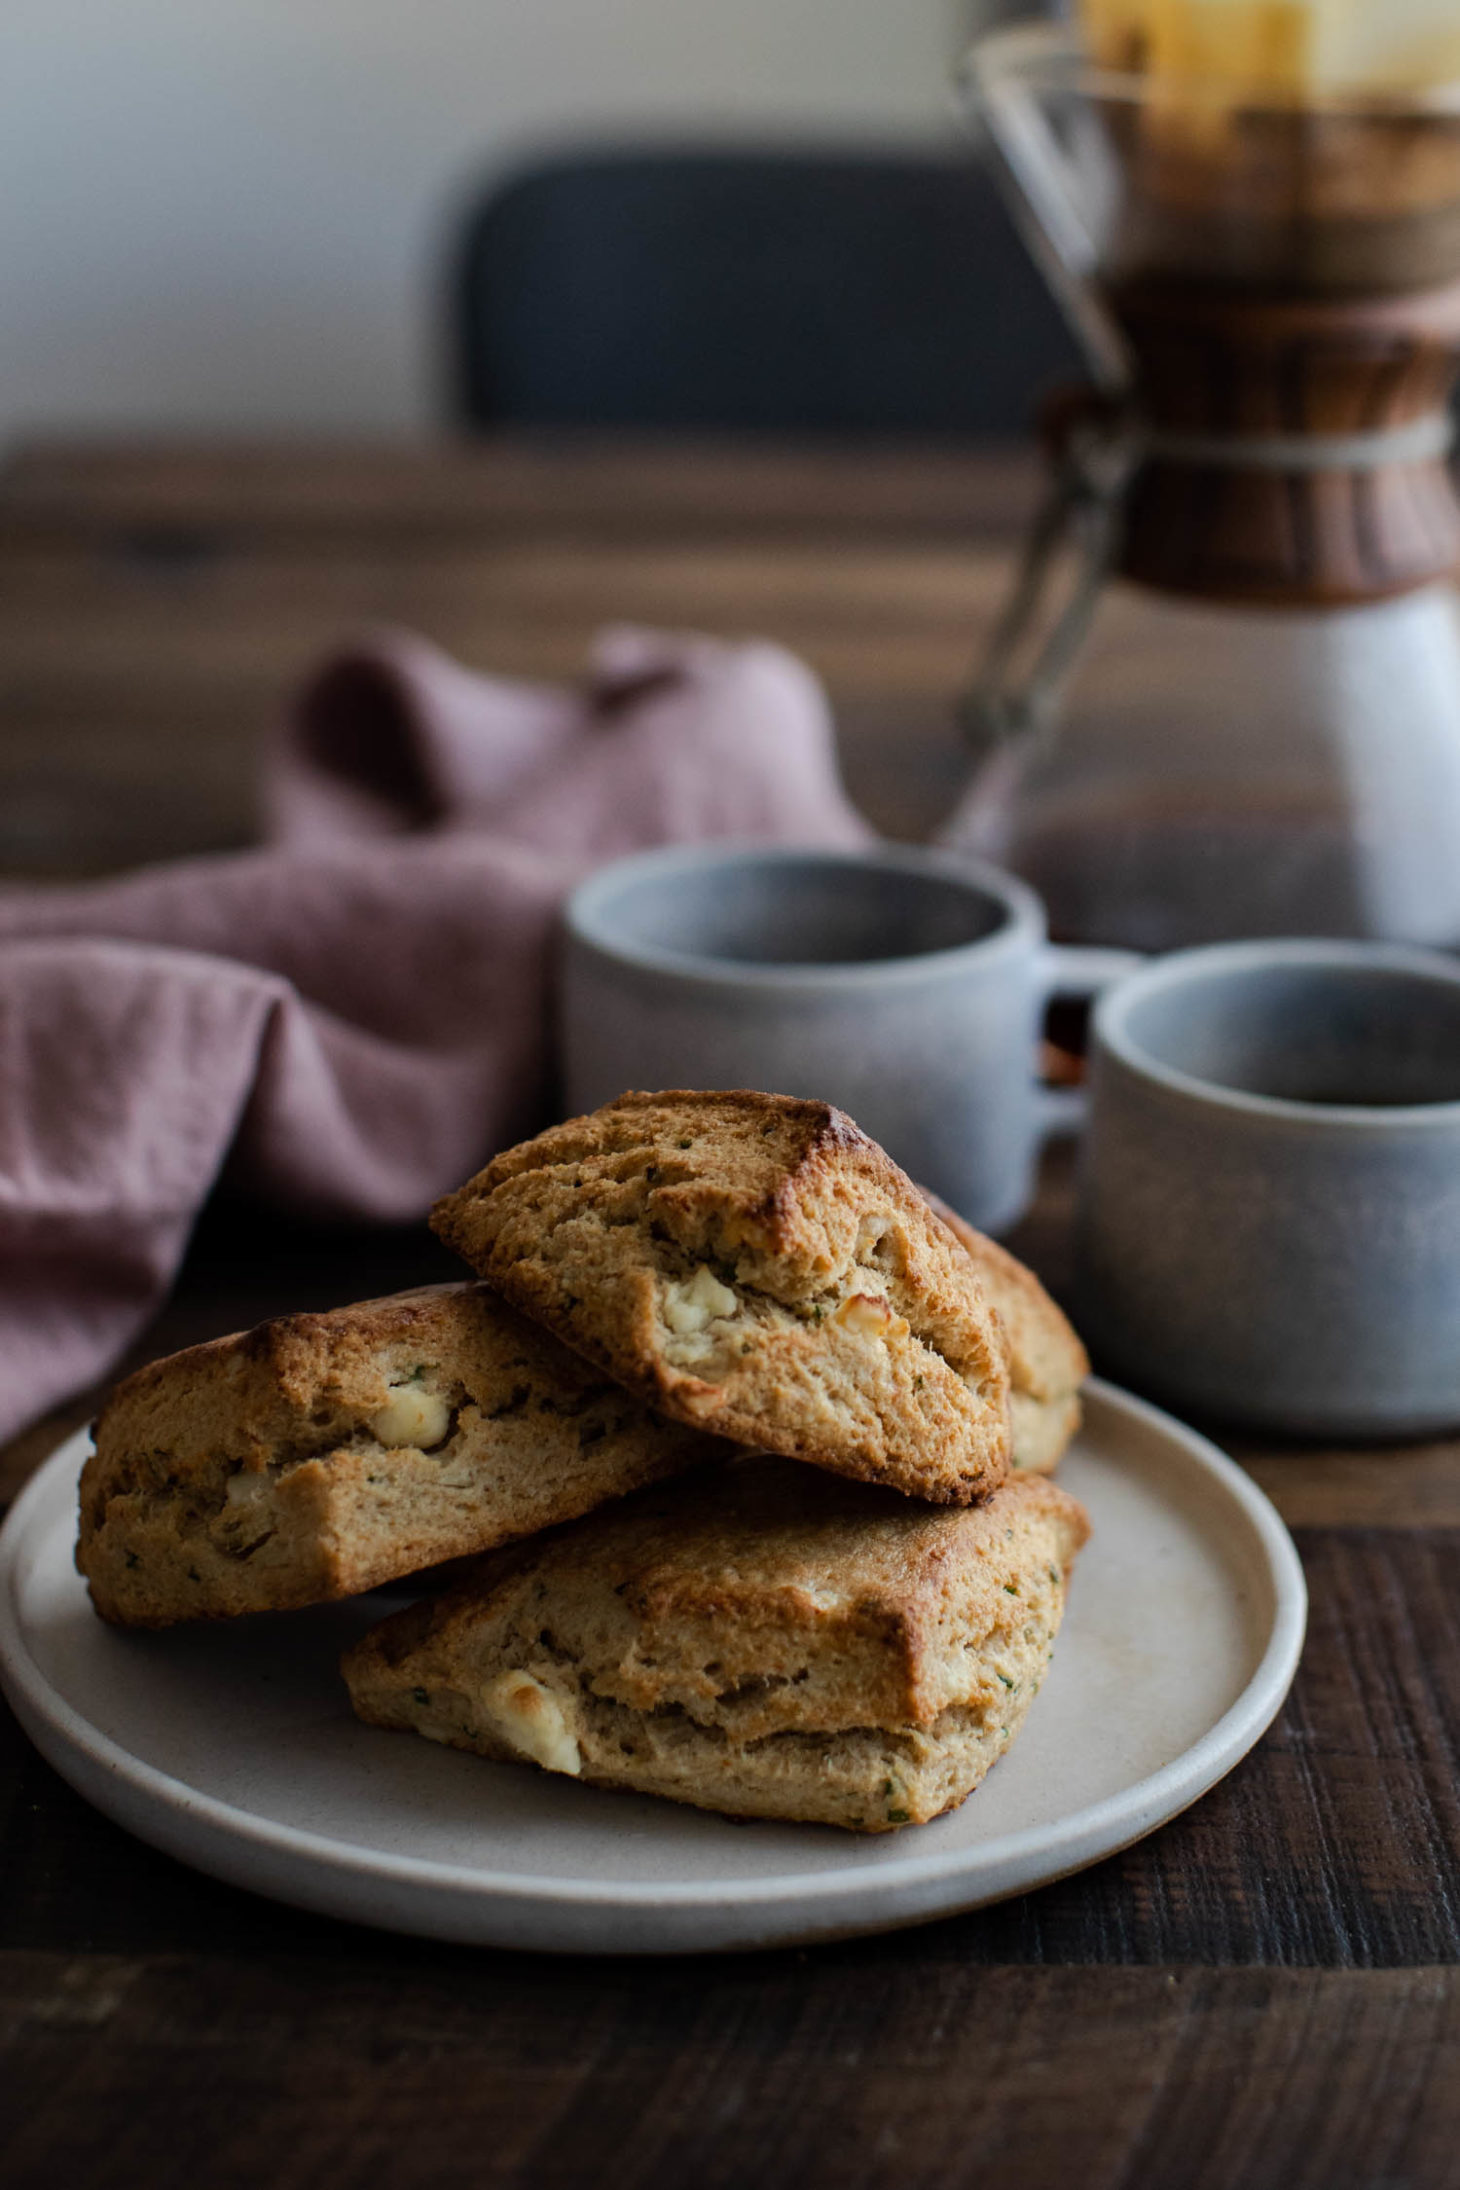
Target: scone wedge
[(320, 1455), (757, 1266), (1047, 1362), (758, 1639)]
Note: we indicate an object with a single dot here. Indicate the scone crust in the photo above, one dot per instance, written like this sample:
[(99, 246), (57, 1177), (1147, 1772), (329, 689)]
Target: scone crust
[(755, 1638), (320, 1455), (1047, 1362), (756, 1265)]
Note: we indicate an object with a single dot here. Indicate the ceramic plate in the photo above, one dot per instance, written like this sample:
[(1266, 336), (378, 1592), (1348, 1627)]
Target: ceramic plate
[(233, 1747)]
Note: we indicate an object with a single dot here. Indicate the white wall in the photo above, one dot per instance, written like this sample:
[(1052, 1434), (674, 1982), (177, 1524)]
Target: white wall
[(233, 213)]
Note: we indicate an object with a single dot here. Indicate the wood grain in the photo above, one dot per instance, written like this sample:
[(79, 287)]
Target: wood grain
[(156, 608), (1383, 1486), (175, 500), (846, 2073), (134, 719)]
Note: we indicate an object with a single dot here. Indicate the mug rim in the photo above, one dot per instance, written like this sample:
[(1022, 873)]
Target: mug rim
[(585, 913), (1111, 1035)]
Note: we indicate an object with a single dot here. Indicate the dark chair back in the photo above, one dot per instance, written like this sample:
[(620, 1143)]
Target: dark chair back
[(782, 293)]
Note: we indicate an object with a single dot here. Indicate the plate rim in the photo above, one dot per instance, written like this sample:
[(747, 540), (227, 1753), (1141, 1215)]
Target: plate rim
[(1054, 1849)]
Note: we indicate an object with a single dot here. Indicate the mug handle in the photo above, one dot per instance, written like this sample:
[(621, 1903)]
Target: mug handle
[(1077, 972)]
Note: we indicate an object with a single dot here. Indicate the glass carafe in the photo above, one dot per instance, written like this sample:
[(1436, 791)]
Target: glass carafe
[(1225, 698)]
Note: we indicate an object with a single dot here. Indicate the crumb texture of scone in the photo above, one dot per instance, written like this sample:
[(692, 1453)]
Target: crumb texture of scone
[(758, 1639), (758, 1266), (1047, 1362), (320, 1455)]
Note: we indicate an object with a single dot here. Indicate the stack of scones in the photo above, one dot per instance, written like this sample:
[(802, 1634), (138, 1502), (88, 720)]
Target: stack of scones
[(746, 1440)]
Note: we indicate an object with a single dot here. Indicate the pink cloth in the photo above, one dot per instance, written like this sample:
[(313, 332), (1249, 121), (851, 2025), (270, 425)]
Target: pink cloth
[(354, 1016)]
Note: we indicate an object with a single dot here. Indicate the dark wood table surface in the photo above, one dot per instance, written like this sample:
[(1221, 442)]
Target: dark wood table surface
[(1264, 1993)]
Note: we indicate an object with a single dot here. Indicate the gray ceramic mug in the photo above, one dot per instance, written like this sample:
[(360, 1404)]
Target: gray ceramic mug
[(1269, 1224), (907, 986)]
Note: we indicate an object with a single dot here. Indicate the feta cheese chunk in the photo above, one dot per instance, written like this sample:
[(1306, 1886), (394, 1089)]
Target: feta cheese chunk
[(698, 1301), (411, 1416), (248, 1489), (870, 1317), (533, 1722)]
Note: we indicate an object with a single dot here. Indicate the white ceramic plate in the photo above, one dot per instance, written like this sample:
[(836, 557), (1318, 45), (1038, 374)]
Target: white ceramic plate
[(233, 1747)]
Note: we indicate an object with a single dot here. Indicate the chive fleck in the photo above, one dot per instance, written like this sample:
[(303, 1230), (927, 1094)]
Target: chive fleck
[(1011, 1589), (420, 1695), (899, 1817), (1006, 1680)]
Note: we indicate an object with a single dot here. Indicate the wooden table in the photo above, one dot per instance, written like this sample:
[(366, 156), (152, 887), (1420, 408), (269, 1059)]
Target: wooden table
[(1263, 1994)]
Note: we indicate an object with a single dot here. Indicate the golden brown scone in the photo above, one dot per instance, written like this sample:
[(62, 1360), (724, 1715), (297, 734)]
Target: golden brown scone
[(756, 1638), (1047, 1363), (757, 1266), (320, 1455)]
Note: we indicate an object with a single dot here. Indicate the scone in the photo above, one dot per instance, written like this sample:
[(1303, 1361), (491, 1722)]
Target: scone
[(757, 1266), (1047, 1363), (324, 1454), (756, 1638)]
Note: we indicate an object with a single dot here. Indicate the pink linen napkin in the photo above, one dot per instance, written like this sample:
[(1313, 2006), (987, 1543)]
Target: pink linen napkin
[(350, 1019)]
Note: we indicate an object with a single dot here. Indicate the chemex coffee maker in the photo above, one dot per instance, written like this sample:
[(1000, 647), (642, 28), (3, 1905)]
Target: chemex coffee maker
[(1224, 696)]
